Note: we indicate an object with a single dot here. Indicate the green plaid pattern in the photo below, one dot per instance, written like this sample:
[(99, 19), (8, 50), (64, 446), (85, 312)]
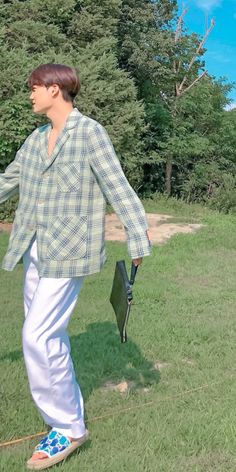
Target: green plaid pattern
[(62, 199)]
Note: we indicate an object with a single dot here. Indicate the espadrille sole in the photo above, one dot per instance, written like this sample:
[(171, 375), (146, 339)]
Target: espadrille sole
[(41, 464)]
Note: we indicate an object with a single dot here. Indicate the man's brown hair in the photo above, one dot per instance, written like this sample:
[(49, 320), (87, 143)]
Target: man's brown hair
[(65, 77)]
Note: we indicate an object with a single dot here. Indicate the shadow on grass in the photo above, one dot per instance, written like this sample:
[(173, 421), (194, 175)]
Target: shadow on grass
[(100, 358), (12, 356)]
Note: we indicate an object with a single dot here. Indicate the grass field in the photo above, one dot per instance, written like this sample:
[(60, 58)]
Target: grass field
[(180, 362)]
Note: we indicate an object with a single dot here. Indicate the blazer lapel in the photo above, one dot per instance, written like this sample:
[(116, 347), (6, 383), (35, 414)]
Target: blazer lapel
[(61, 140), (43, 141)]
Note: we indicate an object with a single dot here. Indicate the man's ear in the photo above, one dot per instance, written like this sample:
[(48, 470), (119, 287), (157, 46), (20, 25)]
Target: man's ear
[(55, 90)]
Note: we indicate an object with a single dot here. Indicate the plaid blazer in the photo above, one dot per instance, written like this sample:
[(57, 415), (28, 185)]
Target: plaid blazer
[(62, 200)]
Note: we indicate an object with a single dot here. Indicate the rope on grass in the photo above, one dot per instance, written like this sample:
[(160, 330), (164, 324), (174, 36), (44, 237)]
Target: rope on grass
[(118, 412)]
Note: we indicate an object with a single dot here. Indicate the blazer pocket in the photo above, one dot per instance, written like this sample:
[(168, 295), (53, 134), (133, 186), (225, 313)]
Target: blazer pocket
[(67, 238), (68, 177)]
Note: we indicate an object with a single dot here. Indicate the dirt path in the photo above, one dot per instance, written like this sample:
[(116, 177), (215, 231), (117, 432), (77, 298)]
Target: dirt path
[(162, 227), (5, 226)]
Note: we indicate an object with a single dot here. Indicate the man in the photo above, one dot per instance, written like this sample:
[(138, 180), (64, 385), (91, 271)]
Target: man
[(63, 172)]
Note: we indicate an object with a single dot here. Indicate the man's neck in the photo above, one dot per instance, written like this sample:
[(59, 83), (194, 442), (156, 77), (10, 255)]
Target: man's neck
[(59, 114)]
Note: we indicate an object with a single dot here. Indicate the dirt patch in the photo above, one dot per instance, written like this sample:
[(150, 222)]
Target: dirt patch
[(161, 227), (121, 387), (5, 226), (160, 365)]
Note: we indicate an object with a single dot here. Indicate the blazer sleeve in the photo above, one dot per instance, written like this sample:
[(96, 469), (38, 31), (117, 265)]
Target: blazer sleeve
[(106, 166), (9, 180)]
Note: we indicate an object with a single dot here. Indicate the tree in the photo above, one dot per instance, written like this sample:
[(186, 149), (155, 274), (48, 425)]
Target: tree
[(109, 93), (201, 112), (145, 47), (144, 41), (143, 78), (185, 115), (186, 67), (26, 40), (35, 32)]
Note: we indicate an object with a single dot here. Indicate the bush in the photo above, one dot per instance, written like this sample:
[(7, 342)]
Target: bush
[(7, 209), (209, 184), (223, 198)]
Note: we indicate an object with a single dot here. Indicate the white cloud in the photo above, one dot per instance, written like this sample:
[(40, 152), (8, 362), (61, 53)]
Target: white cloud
[(208, 5), (231, 106)]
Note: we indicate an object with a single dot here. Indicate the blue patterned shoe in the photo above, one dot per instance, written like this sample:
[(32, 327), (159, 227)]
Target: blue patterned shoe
[(56, 447)]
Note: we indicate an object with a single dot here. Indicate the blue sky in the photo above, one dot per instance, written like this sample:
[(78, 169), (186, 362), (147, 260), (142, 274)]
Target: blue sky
[(220, 57)]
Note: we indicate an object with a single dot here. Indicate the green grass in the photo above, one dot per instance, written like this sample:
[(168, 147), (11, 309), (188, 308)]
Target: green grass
[(183, 318)]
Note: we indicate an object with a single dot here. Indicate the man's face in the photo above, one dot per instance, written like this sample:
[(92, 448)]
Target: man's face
[(41, 98)]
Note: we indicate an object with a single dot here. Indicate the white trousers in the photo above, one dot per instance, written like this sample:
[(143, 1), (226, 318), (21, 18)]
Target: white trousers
[(48, 304)]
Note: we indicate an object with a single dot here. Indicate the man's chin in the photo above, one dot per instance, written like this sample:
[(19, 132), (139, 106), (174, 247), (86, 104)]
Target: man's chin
[(38, 111)]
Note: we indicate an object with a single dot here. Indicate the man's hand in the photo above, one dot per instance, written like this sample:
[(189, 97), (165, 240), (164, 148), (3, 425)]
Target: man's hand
[(137, 261)]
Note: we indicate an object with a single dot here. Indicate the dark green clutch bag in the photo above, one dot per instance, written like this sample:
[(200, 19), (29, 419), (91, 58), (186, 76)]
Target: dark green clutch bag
[(121, 296)]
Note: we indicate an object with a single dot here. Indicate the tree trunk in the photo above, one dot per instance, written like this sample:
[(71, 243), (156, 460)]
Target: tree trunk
[(168, 175)]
